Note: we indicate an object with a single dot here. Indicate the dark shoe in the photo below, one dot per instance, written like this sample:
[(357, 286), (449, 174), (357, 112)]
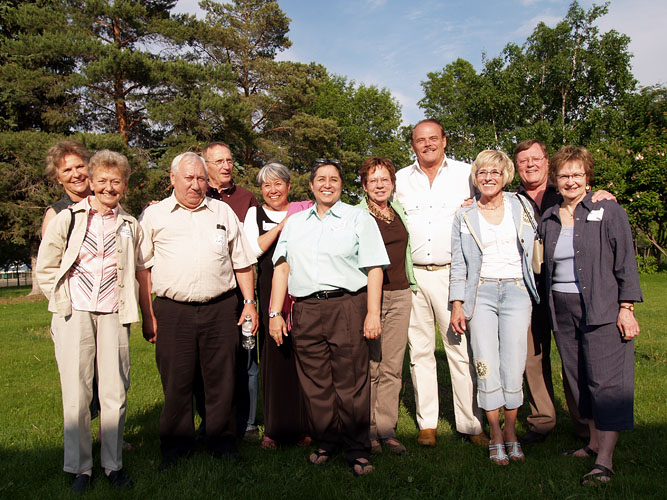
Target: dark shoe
[(602, 477), (480, 439), (589, 452), (82, 483), (394, 446), (532, 437), (120, 479), (200, 435), (167, 463), (251, 435), (231, 454), (426, 437)]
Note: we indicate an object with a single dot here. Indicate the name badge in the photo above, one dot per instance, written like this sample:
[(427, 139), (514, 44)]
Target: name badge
[(464, 228), (337, 226), (595, 215), (125, 231), (267, 226), (221, 239)]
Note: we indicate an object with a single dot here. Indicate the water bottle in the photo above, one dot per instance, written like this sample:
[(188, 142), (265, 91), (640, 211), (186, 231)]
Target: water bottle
[(248, 340)]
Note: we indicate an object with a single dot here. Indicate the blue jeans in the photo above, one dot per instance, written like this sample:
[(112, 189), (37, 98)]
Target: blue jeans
[(498, 336)]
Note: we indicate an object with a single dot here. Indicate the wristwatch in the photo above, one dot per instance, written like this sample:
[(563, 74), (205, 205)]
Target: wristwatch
[(629, 307), (274, 314), (249, 301)]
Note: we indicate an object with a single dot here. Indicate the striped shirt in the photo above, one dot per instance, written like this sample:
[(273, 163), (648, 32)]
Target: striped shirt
[(93, 279)]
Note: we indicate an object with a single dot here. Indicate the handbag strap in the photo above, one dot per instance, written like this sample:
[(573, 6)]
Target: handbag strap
[(530, 216)]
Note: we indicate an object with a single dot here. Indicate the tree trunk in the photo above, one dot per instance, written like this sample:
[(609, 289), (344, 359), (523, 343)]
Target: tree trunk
[(33, 264)]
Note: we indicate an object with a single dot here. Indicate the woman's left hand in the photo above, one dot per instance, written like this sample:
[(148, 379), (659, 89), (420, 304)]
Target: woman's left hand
[(627, 324), (372, 326)]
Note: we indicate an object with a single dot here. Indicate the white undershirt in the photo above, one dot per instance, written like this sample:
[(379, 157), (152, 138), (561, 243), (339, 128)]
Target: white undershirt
[(500, 253), (252, 231)]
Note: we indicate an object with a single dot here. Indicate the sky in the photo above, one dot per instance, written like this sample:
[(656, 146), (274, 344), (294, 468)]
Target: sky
[(396, 43)]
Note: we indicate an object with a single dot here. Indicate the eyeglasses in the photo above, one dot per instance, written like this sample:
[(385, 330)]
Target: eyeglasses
[(326, 161), (492, 173), (527, 161), (382, 182), (221, 162), (574, 177)]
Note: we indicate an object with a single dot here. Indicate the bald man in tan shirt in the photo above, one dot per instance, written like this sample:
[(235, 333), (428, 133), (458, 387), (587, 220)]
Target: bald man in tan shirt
[(193, 255)]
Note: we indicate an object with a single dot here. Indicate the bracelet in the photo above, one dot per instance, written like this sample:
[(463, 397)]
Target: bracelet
[(629, 307), (274, 314), (249, 301)]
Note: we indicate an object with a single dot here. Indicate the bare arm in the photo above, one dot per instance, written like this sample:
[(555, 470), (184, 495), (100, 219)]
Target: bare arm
[(277, 326), (373, 322), (149, 322), (266, 240), (245, 277), (50, 214)]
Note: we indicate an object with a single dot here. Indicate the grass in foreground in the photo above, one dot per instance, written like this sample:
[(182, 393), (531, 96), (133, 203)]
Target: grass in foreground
[(31, 435)]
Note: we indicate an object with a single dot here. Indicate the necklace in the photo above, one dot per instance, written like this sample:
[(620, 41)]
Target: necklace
[(569, 211), (375, 211)]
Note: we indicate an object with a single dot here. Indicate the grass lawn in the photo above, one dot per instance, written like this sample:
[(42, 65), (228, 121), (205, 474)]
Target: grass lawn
[(31, 435)]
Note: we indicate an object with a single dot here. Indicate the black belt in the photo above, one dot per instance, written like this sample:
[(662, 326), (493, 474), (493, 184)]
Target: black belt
[(328, 294)]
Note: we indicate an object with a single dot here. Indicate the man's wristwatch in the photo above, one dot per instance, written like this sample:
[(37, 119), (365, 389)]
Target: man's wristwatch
[(274, 314), (629, 307), (249, 301)]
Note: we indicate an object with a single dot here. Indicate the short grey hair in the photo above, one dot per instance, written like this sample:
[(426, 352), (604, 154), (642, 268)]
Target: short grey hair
[(187, 156), (273, 170)]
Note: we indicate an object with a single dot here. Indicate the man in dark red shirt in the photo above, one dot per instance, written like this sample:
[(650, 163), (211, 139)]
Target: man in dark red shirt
[(221, 186)]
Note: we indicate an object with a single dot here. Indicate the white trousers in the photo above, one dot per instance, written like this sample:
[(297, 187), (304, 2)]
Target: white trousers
[(430, 304), (81, 340)]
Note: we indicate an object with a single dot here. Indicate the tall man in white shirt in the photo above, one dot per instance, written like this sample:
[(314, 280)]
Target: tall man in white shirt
[(431, 190)]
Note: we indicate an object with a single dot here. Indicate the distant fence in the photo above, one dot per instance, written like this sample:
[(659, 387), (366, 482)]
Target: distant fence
[(14, 278)]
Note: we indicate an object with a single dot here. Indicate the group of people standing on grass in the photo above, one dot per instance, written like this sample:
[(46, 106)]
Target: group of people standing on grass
[(342, 291)]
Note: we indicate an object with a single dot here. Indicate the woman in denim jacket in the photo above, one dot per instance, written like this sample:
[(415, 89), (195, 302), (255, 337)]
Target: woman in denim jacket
[(490, 288)]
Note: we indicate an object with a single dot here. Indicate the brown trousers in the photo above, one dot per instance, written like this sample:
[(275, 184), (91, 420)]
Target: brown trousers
[(332, 365)]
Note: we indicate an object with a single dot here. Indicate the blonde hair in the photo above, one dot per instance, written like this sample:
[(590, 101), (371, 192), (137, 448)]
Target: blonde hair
[(493, 158)]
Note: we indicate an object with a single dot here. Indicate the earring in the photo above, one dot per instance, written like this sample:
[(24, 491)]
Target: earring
[(588, 188)]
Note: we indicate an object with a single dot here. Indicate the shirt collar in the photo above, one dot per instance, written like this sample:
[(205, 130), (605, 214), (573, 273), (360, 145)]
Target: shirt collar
[(174, 203), (89, 207), (336, 211), (418, 169)]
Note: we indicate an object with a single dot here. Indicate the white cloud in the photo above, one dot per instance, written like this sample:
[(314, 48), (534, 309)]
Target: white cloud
[(376, 3), (529, 26)]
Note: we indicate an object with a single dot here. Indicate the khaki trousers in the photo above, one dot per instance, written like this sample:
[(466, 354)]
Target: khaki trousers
[(542, 418), (386, 355), (430, 304), (81, 340)]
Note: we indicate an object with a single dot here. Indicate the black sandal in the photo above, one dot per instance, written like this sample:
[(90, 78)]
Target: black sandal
[(587, 450), (366, 467), (596, 478), (319, 454)]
